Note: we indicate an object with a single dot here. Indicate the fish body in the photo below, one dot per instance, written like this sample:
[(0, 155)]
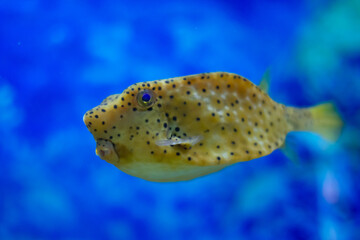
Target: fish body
[(181, 128)]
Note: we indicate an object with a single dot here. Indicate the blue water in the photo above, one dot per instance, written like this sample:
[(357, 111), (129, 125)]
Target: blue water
[(60, 58)]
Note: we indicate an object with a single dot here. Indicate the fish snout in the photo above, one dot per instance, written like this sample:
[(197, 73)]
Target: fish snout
[(99, 119), (86, 119), (90, 119)]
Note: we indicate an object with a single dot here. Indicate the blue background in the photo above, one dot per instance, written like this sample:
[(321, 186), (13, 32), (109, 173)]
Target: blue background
[(61, 58)]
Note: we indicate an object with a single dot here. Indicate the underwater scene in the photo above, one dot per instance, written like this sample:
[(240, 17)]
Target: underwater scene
[(147, 163)]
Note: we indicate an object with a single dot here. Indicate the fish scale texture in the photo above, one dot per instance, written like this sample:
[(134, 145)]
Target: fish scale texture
[(234, 118)]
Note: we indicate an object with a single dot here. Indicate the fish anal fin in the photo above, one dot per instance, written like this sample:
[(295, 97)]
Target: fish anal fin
[(290, 153)]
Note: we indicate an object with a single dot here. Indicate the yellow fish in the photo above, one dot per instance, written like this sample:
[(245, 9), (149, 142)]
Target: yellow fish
[(185, 127)]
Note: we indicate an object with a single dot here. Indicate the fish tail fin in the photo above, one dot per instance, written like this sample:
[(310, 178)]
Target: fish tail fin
[(326, 121)]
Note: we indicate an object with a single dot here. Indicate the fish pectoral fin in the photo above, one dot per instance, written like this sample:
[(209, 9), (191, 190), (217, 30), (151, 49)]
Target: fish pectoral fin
[(265, 81), (176, 141)]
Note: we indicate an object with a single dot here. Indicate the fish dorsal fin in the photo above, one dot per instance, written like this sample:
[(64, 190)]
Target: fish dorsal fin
[(265, 81)]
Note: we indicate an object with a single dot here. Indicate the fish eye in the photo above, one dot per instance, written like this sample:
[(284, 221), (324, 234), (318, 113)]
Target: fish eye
[(146, 98)]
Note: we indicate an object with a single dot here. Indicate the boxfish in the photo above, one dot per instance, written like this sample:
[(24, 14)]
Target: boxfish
[(182, 128)]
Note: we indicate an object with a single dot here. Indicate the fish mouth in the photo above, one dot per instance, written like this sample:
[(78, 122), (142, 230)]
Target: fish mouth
[(105, 149)]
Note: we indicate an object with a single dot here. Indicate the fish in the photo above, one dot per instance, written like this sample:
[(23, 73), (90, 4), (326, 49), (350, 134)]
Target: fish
[(181, 128)]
